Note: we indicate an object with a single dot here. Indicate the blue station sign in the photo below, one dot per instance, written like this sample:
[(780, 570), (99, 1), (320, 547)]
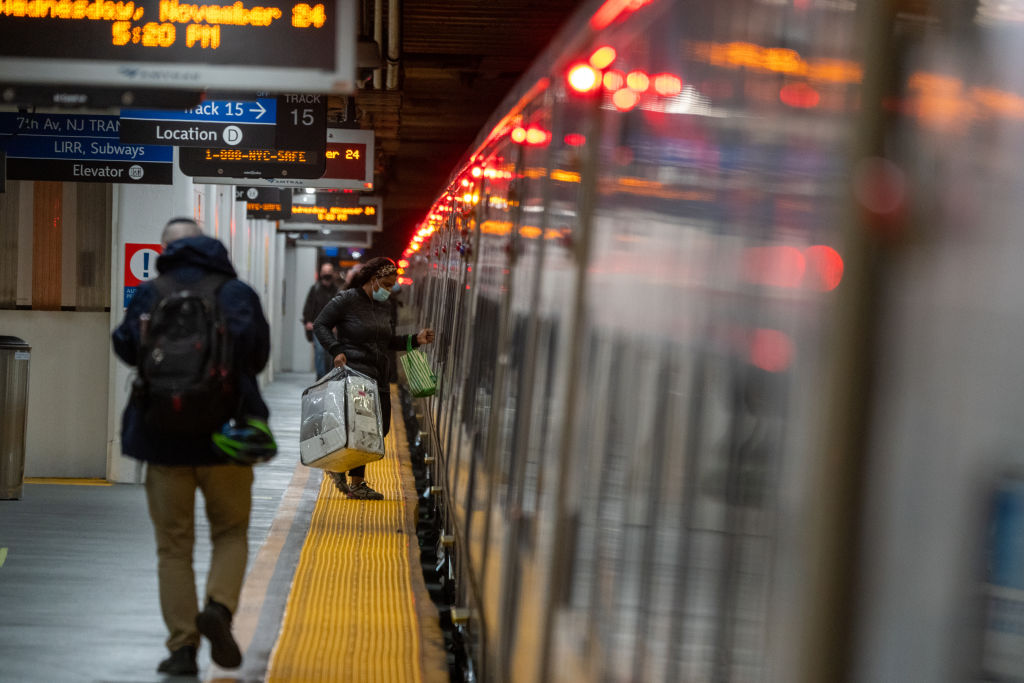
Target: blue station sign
[(78, 148), (243, 124)]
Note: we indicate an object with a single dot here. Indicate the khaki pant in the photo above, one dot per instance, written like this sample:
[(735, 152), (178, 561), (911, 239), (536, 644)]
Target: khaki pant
[(171, 492)]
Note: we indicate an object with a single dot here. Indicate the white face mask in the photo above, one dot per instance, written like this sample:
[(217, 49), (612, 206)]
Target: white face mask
[(381, 294)]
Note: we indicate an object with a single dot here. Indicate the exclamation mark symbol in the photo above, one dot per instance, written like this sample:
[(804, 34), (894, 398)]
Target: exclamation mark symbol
[(145, 265)]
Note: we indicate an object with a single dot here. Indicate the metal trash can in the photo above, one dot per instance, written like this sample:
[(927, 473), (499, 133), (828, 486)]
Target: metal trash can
[(14, 361)]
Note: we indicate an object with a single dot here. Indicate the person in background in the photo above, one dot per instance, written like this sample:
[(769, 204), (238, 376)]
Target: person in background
[(365, 327), (322, 291), (178, 464)]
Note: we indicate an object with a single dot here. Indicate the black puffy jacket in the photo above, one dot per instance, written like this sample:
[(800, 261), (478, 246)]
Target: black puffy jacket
[(366, 333)]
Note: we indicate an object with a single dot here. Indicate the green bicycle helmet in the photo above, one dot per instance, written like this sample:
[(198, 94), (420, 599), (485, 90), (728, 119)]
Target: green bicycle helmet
[(247, 441)]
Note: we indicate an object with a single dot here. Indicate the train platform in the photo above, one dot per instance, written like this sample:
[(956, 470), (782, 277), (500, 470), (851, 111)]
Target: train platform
[(333, 591)]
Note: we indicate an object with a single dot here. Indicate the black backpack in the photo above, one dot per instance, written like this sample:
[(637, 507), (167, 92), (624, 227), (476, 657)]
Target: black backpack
[(186, 382)]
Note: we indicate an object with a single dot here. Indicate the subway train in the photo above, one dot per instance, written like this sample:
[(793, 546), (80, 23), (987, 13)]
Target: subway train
[(728, 309)]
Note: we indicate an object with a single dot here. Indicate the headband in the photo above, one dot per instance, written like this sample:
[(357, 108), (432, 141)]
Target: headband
[(385, 270)]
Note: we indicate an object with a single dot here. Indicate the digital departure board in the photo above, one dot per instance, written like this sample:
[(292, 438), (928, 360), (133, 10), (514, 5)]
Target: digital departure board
[(306, 236), (267, 203), (346, 149), (326, 209), (346, 161), (250, 163), (350, 215), (272, 45)]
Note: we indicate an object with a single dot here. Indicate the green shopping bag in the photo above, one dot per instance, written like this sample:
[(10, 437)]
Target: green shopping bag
[(422, 380)]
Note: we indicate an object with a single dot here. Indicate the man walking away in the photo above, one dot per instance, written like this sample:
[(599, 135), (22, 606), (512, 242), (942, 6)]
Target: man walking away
[(322, 291), (180, 457)]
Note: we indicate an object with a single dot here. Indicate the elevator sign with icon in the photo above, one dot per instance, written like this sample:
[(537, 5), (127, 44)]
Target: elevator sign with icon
[(139, 266)]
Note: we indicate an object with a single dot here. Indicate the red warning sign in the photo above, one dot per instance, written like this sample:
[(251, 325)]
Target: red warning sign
[(140, 263), (139, 266)]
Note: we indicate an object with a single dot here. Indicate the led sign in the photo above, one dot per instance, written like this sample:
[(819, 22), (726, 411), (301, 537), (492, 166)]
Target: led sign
[(328, 210), (350, 215), (349, 155), (270, 211), (346, 161), (346, 148), (250, 163), (312, 236), (272, 45), (267, 203)]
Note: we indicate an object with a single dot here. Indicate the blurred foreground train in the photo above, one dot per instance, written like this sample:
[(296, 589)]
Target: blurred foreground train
[(730, 311)]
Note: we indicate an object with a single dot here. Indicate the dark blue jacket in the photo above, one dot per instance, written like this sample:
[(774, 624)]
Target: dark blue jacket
[(189, 259)]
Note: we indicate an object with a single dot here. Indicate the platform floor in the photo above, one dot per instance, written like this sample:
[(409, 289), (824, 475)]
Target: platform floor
[(333, 590)]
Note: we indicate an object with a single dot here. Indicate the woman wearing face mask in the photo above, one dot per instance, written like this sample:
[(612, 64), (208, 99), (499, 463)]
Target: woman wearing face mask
[(361, 316)]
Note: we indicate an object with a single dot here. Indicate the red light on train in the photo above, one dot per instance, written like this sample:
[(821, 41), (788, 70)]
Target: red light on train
[(774, 266), (625, 99), (602, 57), (404, 281), (771, 350), (612, 10), (402, 263), (575, 139), (583, 78), (614, 80), (537, 136), (824, 267), (477, 172), (519, 134), (668, 85), (638, 81), (799, 96)]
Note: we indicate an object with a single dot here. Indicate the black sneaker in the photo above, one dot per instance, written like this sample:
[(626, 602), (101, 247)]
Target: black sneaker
[(339, 481), (182, 662), (362, 491), (214, 622)]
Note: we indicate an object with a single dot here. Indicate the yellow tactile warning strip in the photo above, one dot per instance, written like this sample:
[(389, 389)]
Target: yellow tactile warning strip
[(67, 482), (359, 610)]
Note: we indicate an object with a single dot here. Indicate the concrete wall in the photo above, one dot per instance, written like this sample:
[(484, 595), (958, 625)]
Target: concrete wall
[(67, 391), (297, 353), (275, 313)]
